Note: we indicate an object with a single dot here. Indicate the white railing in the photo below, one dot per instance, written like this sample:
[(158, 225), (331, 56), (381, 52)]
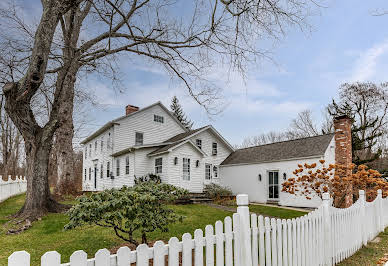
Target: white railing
[(11, 187), (325, 236)]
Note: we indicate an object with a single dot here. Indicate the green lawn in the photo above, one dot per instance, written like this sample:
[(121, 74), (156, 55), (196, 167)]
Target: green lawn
[(275, 211), (48, 234)]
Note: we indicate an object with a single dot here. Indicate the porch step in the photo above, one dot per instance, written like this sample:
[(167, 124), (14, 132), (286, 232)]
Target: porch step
[(273, 202), (200, 200)]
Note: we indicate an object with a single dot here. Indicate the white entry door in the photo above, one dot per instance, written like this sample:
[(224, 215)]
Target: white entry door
[(208, 173), (273, 185)]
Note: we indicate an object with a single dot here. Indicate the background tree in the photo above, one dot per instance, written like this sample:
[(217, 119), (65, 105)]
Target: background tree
[(366, 104), (177, 111), (186, 44)]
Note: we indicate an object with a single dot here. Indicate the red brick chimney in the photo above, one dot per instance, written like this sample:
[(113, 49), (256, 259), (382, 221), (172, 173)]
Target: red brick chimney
[(130, 109), (343, 140), (343, 151)]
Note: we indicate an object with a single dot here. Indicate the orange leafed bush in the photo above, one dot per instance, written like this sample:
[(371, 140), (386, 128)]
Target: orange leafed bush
[(338, 180)]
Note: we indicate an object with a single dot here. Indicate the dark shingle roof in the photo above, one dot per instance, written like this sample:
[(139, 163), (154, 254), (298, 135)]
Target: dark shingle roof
[(177, 139), (285, 150)]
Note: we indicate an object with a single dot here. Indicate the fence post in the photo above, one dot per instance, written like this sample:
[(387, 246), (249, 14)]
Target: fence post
[(380, 210), (243, 211), (362, 220), (327, 229)]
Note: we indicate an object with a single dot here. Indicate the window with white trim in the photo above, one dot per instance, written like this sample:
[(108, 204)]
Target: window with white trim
[(158, 165), (102, 144), (199, 143), (90, 173), (186, 169), (208, 173), (138, 138), (109, 141), (85, 173), (107, 169), (95, 147), (214, 148), (117, 167), (159, 119), (127, 165), (102, 171), (86, 152), (90, 150)]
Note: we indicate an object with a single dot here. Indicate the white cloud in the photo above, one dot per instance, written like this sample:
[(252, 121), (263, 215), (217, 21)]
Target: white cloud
[(367, 62)]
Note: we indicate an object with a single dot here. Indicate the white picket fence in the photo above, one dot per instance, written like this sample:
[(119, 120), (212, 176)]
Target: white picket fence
[(325, 236), (11, 187)]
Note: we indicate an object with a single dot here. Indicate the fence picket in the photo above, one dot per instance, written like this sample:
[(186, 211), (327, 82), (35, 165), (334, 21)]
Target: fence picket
[(198, 247), (142, 255), (160, 251), (209, 237), (19, 258), (254, 244), (187, 247), (285, 249), (219, 244), (124, 256), (78, 258), (173, 252), (279, 241), (267, 241), (102, 257), (51, 258), (261, 240), (228, 241), (236, 238)]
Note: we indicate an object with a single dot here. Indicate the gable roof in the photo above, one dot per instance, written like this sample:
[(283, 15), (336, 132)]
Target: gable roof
[(182, 137), (170, 147), (286, 150), (115, 121)]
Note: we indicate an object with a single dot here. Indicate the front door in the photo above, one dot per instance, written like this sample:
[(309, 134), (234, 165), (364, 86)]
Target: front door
[(273, 185), (208, 173), (95, 176)]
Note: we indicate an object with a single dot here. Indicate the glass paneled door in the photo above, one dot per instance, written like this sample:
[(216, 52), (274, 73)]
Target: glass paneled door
[(273, 185)]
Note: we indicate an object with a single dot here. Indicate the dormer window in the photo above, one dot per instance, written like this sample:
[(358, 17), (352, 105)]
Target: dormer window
[(138, 138), (214, 148), (199, 143), (159, 119)]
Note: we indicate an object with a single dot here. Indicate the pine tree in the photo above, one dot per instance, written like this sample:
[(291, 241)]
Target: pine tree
[(177, 111)]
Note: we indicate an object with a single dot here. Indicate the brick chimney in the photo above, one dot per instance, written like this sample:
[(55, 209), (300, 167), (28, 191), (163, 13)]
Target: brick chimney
[(130, 109), (343, 140), (343, 151)]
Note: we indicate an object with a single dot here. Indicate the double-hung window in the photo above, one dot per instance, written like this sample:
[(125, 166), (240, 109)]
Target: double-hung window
[(107, 169), (208, 173), (117, 167), (90, 150), (159, 119), (85, 173), (86, 152), (90, 173), (138, 138), (215, 171), (127, 165), (158, 165), (186, 169), (95, 147), (199, 143), (102, 171), (102, 145), (214, 148)]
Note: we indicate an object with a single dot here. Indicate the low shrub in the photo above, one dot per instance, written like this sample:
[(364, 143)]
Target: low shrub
[(216, 192), (142, 208), (148, 178)]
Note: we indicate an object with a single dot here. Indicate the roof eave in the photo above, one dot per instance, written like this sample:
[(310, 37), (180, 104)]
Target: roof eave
[(276, 161)]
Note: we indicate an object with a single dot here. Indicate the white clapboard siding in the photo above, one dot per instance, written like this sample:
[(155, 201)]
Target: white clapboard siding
[(325, 236)]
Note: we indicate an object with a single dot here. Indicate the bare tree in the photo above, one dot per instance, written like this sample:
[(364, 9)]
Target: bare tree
[(186, 45), (366, 104)]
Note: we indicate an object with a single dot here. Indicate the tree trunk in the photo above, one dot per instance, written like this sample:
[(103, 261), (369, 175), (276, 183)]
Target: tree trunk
[(38, 199), (66, 183)]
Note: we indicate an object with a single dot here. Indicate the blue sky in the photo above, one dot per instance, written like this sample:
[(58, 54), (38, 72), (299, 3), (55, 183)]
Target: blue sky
[(347, 43)]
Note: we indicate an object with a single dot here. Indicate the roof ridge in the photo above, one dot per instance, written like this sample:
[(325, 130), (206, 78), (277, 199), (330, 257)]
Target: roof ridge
[(283, 141)]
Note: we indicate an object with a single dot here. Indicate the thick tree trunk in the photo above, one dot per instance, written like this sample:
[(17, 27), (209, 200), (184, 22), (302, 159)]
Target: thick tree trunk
[(66, 183), (38, 198)]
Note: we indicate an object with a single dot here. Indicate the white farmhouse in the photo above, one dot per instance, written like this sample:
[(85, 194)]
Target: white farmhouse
[(152, 140), (260, 171)]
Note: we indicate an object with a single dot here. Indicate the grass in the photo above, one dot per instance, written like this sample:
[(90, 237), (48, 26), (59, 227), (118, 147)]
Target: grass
[(47, 234), (370, 254), (275, 211)]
